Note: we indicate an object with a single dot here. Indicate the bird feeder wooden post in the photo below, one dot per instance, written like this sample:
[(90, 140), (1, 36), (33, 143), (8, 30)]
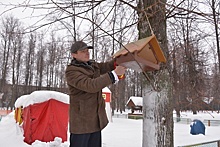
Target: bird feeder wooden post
[(142, 55)]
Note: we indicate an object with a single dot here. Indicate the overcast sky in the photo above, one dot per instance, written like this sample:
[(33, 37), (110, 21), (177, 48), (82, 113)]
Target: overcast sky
[(25, 15)]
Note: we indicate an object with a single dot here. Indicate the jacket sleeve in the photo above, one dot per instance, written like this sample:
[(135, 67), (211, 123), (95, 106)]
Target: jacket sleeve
[(82, 80), (106, 66)]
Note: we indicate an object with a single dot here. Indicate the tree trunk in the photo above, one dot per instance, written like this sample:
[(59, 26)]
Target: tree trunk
[(157, 123), (175, 89), (157, 105), (216, 31)]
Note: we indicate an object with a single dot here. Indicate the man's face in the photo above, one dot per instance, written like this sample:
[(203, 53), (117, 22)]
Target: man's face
[(82, 55)]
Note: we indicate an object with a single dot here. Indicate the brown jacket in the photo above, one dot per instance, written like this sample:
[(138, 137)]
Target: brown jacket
[(87, 106)]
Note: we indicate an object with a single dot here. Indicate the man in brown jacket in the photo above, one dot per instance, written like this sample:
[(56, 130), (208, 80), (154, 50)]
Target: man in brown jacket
[(86, 79)]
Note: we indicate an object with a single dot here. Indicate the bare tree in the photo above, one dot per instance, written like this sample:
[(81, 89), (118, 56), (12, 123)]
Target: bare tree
[(215, 9), (190, 49), (40, 61), (10, 26), (29, 59), (16, 63)]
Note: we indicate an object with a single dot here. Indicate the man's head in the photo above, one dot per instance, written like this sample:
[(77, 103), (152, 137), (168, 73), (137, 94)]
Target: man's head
[(80, 52)]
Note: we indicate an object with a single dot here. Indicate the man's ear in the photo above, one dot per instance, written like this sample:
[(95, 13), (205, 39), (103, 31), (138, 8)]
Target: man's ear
[(73, 55)]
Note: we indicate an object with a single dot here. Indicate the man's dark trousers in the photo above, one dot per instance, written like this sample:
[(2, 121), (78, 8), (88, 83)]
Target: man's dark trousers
[(86, 140)]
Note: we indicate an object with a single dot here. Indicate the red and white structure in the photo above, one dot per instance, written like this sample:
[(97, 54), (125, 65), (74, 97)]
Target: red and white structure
[(106, 94)]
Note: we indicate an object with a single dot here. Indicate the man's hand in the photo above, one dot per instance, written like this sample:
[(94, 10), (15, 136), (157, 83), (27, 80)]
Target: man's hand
[(120, 70)]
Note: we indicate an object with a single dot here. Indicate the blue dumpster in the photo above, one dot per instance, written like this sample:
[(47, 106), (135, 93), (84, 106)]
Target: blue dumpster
[(197, 127)]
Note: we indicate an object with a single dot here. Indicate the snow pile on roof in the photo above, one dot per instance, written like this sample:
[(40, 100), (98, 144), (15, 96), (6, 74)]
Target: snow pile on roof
[(41, 96), (106, 89), (138, 101)]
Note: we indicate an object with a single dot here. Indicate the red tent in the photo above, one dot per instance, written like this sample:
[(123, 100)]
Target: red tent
[(45, 116)]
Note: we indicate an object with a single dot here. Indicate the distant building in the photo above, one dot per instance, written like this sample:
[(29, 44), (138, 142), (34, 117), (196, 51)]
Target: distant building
[(135, 104)]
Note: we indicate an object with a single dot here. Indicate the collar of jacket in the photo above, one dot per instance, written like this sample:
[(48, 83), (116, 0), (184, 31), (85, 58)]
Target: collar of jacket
[(83, 64)]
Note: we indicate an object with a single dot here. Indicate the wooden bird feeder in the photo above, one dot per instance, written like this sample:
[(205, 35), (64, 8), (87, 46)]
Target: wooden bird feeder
[(142, 55)]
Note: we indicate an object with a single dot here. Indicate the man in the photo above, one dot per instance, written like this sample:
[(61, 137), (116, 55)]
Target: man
[(86, 79)]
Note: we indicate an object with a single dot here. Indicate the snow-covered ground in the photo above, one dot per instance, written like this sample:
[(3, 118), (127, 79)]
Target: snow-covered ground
[(120, 132)]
